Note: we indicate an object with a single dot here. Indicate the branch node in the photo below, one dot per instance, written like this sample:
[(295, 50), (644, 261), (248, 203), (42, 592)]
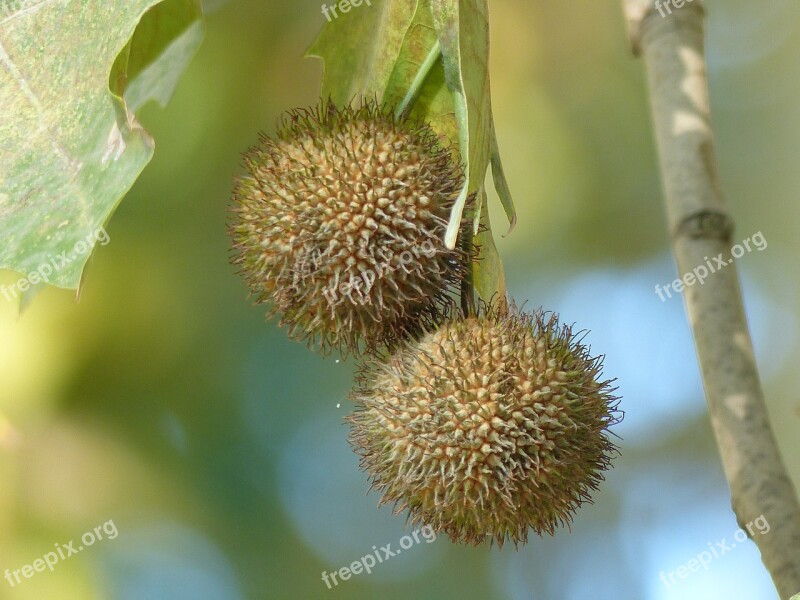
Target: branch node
[(705, 224)]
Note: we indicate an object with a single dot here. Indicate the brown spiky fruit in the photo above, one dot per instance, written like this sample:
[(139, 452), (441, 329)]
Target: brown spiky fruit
[(487, 427), (339, 225)]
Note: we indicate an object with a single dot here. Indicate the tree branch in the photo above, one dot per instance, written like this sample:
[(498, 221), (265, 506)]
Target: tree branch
[(701, 227)]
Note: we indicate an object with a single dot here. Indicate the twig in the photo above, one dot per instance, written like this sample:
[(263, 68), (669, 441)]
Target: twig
[(701, 227)]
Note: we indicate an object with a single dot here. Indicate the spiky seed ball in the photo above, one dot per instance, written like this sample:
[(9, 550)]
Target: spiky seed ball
[(339, 224), (487, 427)]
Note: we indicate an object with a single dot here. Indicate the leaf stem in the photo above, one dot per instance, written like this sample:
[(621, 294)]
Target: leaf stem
[(404, 108)]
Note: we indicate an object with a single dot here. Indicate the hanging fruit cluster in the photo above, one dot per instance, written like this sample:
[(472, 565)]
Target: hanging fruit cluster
[(480, 420)]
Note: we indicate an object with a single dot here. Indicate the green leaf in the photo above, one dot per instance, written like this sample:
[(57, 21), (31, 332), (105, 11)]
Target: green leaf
[(463, 30), (423, 71), (388, 51), (500, 183), (161, 48), (488, 273), (71, 146), (418, 79), (360, 49)]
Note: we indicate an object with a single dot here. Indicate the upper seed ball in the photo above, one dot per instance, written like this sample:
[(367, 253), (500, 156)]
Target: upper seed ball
[(487, 427), (339, 224)]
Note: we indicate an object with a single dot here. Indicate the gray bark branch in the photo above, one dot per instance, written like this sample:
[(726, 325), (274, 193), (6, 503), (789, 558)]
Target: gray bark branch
[(700, 228)]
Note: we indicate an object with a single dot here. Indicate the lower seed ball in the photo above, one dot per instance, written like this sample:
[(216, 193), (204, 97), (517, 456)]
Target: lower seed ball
[(487, 427)]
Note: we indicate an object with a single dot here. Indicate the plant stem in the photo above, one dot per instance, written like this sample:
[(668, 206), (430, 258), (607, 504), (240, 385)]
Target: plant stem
[(701, 227), (405, 106)]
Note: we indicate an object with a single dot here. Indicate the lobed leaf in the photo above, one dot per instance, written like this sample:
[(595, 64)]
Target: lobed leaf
[(70, 145)]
